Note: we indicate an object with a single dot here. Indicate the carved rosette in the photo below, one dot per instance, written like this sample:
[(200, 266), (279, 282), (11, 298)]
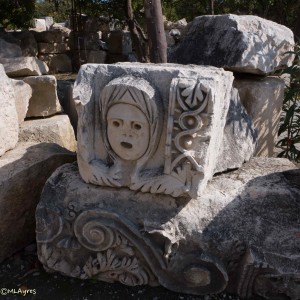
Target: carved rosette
[(188, 124)]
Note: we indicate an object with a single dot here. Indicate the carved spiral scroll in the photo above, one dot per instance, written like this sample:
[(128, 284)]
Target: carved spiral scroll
[(92, 234), (194, 273), (49, 225)]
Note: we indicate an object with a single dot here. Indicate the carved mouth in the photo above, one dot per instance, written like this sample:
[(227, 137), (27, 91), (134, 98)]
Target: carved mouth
[(126, 145)]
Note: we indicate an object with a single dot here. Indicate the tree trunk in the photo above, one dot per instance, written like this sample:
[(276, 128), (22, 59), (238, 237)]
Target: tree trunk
[(212, 9), (139, 40), (156, 32), (297, 26)]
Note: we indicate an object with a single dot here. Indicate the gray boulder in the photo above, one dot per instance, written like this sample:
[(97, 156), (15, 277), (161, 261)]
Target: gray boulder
[(9, 50), (44, 101), (23, 93), (246, 44), (56, 129), (23, 173), (9, 125), (24, 66)]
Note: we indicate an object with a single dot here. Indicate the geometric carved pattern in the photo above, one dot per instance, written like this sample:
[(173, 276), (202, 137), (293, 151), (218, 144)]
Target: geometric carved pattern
[(189, 118), (188, 108)]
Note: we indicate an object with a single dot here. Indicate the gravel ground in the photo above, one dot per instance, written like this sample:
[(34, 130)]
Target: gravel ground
[(23, 272)]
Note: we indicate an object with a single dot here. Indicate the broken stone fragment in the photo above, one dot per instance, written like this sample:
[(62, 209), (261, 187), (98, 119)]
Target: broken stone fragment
[(44, 101), (9, 49), (23, 93), (24, 66), (240, 136), (23, 173), (247, 44), (9, 125), (237, 236), (262, 98), (56, 129), (58, 63)]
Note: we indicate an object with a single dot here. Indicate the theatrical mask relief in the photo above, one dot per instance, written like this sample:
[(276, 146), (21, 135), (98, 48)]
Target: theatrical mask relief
[(136, 125)]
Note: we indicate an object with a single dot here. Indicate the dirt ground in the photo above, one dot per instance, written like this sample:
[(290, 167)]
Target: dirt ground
[(23, 272)]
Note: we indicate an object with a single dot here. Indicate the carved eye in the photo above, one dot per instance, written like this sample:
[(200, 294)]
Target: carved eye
[(116, 123), (137, 126)]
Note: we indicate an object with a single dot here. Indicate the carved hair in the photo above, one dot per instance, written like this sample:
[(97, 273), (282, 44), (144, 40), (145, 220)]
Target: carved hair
[(133, 91)]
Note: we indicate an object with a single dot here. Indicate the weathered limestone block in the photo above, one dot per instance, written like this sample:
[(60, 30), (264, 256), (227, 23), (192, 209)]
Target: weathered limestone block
[(115, 58), (23, 93), (53, 36), (8, 50), (46, 48), (39, 24), (240, 137), (9, 126), (58, 63), (247, 44), (56, 129), (97, 57), (65, 96), (27, 42), (263, 98), (154, 128), (119, 42), (241, 233), (44, 101), (23, 173), (24, 66)]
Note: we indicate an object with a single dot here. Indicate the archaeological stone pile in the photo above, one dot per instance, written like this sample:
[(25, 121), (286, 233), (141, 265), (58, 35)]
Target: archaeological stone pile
[(63, 50), (35, 138), (166, 189)]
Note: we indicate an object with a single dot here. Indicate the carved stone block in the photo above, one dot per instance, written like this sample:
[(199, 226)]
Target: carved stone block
[(152, 128), (242, 233)]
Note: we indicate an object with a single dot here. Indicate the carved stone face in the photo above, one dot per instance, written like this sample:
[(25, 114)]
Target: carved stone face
[(128, 131)]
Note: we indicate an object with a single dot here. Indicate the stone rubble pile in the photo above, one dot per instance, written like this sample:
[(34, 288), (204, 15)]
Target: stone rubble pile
[(30, 149)]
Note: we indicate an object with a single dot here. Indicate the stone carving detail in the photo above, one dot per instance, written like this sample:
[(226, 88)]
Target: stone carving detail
[(100, 244), (110, 267), (188, 119), (130, 127), (187, 110), (269, 286), (155, 130)]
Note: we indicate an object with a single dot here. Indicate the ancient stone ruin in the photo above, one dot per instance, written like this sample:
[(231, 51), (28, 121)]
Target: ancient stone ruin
[(143, 205), (175, 183)]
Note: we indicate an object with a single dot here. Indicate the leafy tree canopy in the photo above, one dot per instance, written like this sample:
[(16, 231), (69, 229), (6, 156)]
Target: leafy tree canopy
[(16, 13)]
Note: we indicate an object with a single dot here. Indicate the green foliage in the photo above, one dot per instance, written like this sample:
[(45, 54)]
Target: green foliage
[(280, 11), (59, 10), (16, 13), (290, 120)]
